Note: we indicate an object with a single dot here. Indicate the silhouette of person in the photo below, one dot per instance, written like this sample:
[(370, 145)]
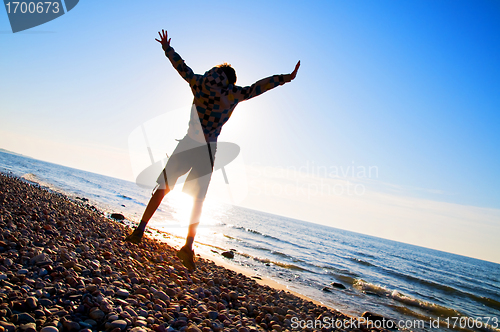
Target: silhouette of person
[(215, 97)]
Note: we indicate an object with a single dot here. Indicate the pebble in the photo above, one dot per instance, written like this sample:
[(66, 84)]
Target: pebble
[(119, 323), (122, 293), (25, 318), (228, 254), (8, 326), (162, 296), (41, 259), (275, 327), (338, 285), (106, 306), (49, 329), (117, 216), (85, 325), (97, 315), (213, 315), (192, 328), (45, 302), (142, 313), (32, 302), (91, 288), (137, 329), (71, 326), (29, 327), (131, 312)]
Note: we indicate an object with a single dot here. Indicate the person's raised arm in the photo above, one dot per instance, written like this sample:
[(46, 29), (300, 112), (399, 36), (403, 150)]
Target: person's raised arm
[(266, 84), (176, 60), (294, 72)]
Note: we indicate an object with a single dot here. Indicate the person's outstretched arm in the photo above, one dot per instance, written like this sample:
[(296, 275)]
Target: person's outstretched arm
[(266, 84), (176, 60)]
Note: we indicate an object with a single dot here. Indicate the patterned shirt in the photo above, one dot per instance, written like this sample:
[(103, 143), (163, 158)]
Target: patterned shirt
[(214, 98)]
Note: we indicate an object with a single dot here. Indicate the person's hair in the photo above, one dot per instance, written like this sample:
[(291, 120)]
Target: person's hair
[(229, 71)]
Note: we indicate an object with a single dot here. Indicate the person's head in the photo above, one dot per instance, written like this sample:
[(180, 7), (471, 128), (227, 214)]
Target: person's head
[(229, 71)]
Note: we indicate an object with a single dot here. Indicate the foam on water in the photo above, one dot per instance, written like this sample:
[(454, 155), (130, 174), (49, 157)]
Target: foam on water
[(30, 177), (405, 299)]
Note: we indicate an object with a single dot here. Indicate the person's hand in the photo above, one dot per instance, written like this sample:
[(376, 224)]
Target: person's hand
[(165, 42), (294, 72)]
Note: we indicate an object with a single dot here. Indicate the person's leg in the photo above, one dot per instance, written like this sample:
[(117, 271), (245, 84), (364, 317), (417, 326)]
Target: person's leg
[(186, 253), (197, 185), (200, 175), (154, 203), (194, 222), (152, 206)]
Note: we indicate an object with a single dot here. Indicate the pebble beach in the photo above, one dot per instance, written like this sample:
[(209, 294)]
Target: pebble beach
[(65, 267)]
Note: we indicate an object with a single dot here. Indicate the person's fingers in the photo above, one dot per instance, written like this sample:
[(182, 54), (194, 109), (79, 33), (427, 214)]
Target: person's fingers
[(163, 37)]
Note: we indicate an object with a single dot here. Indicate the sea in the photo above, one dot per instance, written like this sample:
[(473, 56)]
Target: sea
[(415, 287)]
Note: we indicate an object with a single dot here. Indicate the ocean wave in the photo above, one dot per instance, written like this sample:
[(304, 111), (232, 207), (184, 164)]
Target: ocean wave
[(394, 294), (265, 260), (449, 290), (253, 231), (293, 259), (366, 254), (288, 266), (362, 262), (341, 275), (408, 312), (231, 237), (30, 177), (486, 301), (346, 279), (255, 246), (429, 283)]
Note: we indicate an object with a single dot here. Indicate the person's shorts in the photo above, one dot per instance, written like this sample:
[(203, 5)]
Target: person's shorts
[(193, 157)]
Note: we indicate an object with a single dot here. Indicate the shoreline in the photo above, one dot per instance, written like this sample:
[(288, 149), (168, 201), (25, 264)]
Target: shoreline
[(64, 267), (200, 250)]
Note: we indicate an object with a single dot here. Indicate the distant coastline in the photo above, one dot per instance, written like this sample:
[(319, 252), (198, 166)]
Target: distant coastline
[(15, 153)]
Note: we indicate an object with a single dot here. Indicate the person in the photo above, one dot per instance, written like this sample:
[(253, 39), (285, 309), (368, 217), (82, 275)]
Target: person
[(215, 97)]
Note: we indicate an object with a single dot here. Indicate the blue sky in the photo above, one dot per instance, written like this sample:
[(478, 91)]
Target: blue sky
[(411, 87)]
